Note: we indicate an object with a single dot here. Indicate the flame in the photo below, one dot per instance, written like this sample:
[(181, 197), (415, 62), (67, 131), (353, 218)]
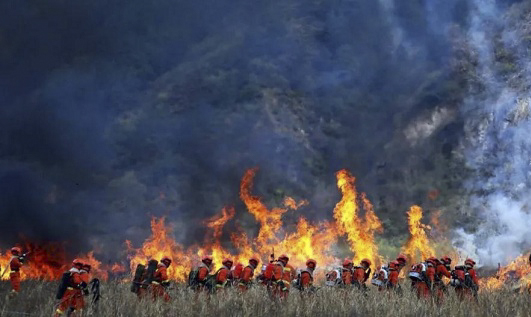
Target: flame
[(360, 233), (270, 221), (292, 204), (418, 241), (48, 262), (118, 268), (517, 273), (353, 215), (159, 245)]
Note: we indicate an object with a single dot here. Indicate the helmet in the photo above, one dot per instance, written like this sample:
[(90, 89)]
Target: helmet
[(283, 257), (227, 260), (166, 260), (446, 259), (367, 261), (16, 250), (433, 260), (470, 262), (77, 262), (311, 261), (394, 264), (401, 258), (347, 262), (87, 267), (255, 259), (206, 258)]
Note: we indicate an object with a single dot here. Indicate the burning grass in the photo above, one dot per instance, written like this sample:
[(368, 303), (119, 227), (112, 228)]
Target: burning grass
[(36, 298)]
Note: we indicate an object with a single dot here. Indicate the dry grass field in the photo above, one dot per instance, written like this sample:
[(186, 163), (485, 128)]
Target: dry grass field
[(37, 299)]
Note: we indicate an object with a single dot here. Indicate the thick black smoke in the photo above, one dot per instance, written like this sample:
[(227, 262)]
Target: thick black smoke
[(112, 111)]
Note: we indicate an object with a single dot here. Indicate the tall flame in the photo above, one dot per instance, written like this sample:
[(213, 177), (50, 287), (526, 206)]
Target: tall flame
[(270, 221), (360, 233), (418, 241)]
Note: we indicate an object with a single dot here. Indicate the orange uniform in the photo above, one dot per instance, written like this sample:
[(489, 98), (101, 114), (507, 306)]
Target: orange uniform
[(440, 272), (222, 276), (73, 292), (158, 285), (424, 287), (392, 281), (282, 276), (465, 292), (85, 278), (14, 275), (306, 281), (359, 277), (203, 272), (346, 276), (246, 278)]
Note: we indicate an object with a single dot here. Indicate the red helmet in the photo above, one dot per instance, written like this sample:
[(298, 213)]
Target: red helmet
[(226, 261), (283, 257), (87, 267), (206, 258), (367, 261), (401, 258), (394, 264), (16, 250), (347, 262), (77, 262), (311, 261), (166, 260), (255, 259), (446, 259), (470, 262)]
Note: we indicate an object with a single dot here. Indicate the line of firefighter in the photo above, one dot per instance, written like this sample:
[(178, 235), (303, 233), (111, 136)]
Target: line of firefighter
[(277, 275)]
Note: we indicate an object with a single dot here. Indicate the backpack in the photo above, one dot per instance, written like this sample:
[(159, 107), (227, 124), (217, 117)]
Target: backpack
[(193, 277), (63, 285), (334, 277), (150, 271), (418, 272), (380, 277), (297, 283), (269, 271), (461, 277), (237, 271), (138, 278)]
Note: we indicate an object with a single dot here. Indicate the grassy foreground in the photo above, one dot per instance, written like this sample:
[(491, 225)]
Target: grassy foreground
[(37, 299)]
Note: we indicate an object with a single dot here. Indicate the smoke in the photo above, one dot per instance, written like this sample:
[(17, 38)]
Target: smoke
[(115, 112), (497, 140)]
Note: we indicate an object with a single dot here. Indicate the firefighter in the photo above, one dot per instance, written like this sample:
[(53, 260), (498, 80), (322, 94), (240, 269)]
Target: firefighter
[(424, 286), (161, 280), (394, 271), (402, 260), (441, 270), (84, 274), (305, 280), (282, 277), (203, 271), (235, 275), (347, 274), (15, 263), (361, 274), (468, 285), (71, 295), (222, 275), (247, 274)]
